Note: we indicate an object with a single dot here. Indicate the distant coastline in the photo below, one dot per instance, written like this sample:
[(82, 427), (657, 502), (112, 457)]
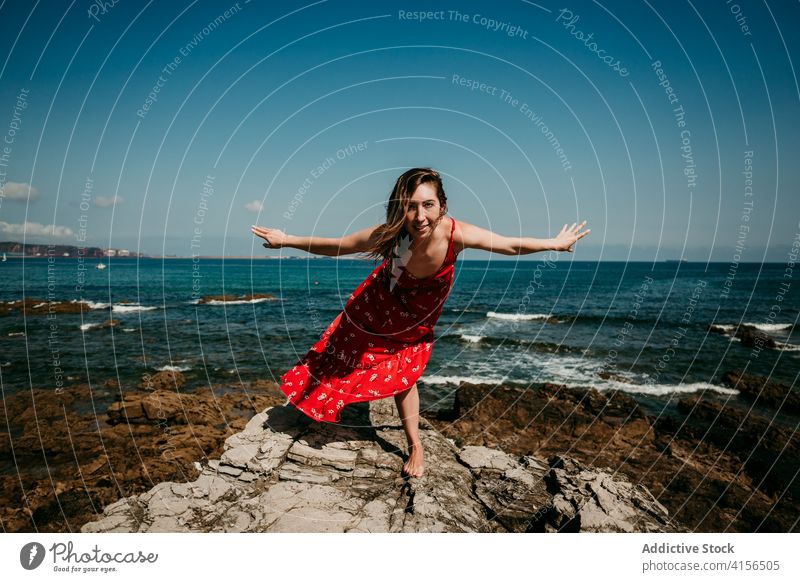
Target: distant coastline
[(13, 249), (18, 250)]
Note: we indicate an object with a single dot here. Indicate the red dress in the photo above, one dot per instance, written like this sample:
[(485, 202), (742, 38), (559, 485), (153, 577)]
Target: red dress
[(378, 346)]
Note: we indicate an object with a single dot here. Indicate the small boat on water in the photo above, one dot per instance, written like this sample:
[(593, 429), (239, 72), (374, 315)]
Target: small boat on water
[(100, 266), (4, 258)]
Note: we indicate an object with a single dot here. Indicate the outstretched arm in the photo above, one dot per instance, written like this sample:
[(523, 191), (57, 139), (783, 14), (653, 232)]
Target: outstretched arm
[(356, 242), (475, 237)]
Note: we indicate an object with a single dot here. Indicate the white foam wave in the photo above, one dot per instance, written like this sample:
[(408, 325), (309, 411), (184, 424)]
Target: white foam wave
[(517, 316), (129, 329), (725, 326), (787, 347), (16, 333), (169, 368), (582, 372), (93, 304), (471, 338), (88, 326), (118, 308), (575, 371), (770, 326), (767, 327), (663, 389), (239, 301), (132, 307), (456, 380)]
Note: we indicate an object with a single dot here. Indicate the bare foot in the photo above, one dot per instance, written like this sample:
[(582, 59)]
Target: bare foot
[(414, 466)]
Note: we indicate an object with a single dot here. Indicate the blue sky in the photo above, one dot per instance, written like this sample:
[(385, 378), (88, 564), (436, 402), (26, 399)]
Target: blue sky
[(251, 102)]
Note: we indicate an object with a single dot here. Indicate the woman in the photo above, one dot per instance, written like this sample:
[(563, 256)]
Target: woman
[(379, 345)]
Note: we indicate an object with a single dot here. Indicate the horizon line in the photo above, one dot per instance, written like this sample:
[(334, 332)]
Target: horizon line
[(355, 258)]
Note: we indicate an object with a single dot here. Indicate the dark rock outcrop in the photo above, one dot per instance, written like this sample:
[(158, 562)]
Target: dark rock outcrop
[(749, 335), (709, 464), (163, 380), (759, 389), (769, 453), (61, 463)]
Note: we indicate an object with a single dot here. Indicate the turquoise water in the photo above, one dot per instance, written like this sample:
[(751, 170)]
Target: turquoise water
[(645, 324)]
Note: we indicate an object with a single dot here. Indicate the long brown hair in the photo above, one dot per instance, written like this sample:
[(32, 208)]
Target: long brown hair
[(389, 233)]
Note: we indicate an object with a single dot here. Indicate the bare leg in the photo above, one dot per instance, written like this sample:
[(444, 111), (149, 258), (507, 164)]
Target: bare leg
[(408, 407)]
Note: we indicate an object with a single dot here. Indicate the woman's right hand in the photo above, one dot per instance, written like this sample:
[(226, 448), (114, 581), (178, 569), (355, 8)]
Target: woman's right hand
[(275, 238)]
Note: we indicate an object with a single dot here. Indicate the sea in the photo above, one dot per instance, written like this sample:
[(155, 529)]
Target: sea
[(639, 327)]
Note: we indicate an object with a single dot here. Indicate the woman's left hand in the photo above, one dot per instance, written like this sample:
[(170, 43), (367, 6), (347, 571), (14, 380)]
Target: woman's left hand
[(569, 236)]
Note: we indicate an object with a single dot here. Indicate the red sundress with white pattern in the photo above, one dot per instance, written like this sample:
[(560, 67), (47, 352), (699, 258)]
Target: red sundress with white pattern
[(378, 346)]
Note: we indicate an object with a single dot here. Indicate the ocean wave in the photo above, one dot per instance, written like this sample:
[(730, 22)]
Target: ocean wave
[(575, 372), (577, 382), (116, 308), (664, 389), (239, 301), (456, 380), (132, 307), (725, 326), (766, 327), (517, 316), (228, 299), (92, 304), (88, 326), (649, 389), (508, 342), (16, 333), (169, 368), (787, 347)]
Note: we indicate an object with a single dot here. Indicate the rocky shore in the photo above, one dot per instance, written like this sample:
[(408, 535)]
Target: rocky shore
[(716, 464), (161, 457), (62, 462), (286, 473)]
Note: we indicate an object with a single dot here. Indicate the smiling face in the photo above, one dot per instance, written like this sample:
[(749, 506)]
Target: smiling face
[(416, 206), (423, 212)]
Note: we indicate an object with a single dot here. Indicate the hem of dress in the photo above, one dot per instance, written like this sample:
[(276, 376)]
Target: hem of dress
[(308, 414), (337, 418)]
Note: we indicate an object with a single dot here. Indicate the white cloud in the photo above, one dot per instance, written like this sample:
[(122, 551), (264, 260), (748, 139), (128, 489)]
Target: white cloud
[(34, 229), (107, 201), (255, 206), (19, 192)]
